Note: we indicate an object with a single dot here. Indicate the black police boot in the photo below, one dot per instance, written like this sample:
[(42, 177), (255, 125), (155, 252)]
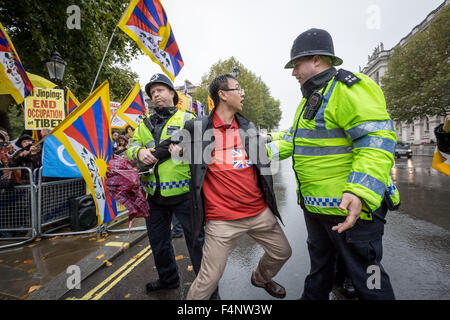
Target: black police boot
[(348, 288), (157, 285)]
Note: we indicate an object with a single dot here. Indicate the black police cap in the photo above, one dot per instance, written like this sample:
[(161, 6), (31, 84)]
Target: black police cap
[(313, 42)]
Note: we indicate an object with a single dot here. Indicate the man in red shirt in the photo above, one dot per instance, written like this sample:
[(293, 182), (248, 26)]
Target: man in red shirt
[(232, 191)]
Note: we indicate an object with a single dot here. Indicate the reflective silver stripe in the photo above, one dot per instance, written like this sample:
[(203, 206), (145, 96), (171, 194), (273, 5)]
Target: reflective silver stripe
[(369, 127), (320, 118), (274, 149), (320, 133), (135, 144), (375, 142), (287, 137), (322, 202), (150, 144), (134, 155), (321, 151), (367, 181)]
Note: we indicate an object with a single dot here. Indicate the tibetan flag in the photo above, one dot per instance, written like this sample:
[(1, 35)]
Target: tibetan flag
[(200, 109), (194, 108), (12, 73), (134, 108), (71, 102), (145, 21), (86, 135), (183, 102), (210, 103)]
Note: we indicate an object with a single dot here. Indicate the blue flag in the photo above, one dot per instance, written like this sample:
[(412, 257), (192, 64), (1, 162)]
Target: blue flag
[(56, 161)]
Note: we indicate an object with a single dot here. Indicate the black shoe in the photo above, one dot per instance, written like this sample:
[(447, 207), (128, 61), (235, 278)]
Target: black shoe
[(348, 288), (157, 285)]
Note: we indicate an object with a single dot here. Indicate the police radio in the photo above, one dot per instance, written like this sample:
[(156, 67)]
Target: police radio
[(312, 105)]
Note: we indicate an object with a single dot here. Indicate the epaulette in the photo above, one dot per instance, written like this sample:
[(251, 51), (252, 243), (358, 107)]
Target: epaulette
[(347, 77)]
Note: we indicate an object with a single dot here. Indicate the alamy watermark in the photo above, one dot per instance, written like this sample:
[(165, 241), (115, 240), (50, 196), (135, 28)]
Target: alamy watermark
[(374, 279), (74, 279), (74, 19), (198, 148), (374, 17)]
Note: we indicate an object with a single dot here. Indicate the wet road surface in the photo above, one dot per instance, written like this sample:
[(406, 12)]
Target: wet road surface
[(416, 247)]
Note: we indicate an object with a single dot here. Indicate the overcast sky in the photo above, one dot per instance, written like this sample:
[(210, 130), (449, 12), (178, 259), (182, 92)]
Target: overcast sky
[(260, 33)]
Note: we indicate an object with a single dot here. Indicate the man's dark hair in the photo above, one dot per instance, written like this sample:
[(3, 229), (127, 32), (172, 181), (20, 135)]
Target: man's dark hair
[(219, 83)]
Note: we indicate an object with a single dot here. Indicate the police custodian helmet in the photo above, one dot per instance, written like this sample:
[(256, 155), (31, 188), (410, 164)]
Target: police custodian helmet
[(161, 78), (313, 42)]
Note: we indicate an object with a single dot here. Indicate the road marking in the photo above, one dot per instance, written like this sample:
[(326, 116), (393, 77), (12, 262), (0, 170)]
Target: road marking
[(125, 245), (91, 293), (100, 294)]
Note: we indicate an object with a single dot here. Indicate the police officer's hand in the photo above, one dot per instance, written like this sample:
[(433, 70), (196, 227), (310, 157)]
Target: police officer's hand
[(446, 127), (353, 205), (146, 156), (175, 149)]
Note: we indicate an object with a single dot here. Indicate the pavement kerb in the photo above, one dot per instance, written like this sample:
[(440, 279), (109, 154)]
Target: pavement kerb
[(57, 287)]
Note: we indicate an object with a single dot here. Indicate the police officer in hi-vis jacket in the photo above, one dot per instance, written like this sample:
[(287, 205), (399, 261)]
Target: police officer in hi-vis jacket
[(342, 145), (167, 184)]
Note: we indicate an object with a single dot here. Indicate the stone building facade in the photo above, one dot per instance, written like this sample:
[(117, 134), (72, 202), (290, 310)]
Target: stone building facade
[(421, 130)]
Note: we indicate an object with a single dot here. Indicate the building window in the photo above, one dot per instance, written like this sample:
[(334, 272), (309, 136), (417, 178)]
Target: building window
[(412, 128), (427, 124)]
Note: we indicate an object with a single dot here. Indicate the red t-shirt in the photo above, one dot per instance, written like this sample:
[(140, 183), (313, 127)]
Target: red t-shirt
[(230, 188)]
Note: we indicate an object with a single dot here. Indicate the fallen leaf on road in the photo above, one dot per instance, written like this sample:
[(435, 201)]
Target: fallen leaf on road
[(43, 258), (127, 296), (100, 256), (101, 240), (117, 237), (107, 263), (137, 256), (32, 245), (27, 261), (33, 288), (189, 268), (92, 239), (179, 257)]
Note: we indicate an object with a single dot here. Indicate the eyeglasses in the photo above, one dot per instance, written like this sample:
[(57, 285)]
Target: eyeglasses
[(239, 90)]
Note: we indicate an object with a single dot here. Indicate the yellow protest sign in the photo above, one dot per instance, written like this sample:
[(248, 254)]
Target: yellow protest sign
[(44, 108)]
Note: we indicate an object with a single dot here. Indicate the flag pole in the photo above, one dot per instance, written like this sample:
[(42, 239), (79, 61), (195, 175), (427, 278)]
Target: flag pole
[(107, 48), (103, 60)]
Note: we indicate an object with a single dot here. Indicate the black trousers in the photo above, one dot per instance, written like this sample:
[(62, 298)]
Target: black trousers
[(159, 234), (361, 250)]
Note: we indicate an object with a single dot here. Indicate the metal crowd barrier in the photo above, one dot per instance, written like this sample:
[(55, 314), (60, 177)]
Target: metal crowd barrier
[(42, 207), (18, 211)]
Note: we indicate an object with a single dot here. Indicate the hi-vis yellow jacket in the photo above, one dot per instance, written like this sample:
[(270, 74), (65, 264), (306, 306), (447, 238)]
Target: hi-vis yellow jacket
[(348, 146), (171, 178)]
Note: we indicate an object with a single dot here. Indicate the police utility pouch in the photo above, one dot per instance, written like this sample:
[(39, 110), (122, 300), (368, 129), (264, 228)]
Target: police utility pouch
[(312, 105)]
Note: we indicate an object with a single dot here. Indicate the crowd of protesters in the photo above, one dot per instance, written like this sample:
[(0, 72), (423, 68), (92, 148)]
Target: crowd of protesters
[(121, 140), (21, 153)]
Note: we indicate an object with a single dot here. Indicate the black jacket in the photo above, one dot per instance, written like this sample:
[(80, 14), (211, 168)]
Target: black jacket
[(195, 147)]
